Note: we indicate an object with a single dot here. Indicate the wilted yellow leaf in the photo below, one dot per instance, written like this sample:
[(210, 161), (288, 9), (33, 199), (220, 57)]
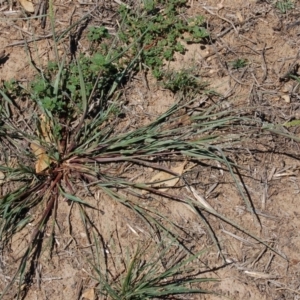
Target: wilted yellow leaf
[(89, 294), (43, 160), (240, 17), (27, 5), (36, 148), (168, 179), (45, 128), (2, 177), (42, 163)]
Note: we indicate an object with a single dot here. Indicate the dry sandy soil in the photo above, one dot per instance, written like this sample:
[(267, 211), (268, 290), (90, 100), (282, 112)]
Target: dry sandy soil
[(269, 42)]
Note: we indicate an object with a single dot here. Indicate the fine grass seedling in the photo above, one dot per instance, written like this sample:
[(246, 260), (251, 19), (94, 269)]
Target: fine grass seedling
[(239, 63), (144, 276)]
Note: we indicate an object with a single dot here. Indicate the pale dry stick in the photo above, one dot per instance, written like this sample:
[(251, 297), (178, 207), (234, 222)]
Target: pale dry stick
[(286, 75), (244, 241), (41, 10), (86, 246), (122, 3), (222, 18), (258, 212), (208, 208), (271, 174), (265, 183), (264, 64), (264, 196), (287, 174), (286, 171), (286, 58), (269, 262), (79, 287), (261, 275), (6, 278), (12, 12), (256, 94), (144, 77), (268, 92), (227, 70), (237, 80), (39, 38), (249, 40), (2, 54), (143, 231), (249, 262), (134, 232), (3, 8), (38, 272), (85, 2), (288, 289), (259, 256), (255, 79), (255, 51), (220, 168), (295, 89), (69, 229), (52, 278), (200, 198), (192, 3), (23, 30), (221, 34), (211, 189), (229, 93), (212, 53), (68, 243)]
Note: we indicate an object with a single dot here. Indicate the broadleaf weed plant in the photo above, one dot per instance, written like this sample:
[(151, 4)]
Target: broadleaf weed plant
[(160, 29), (284, 6)]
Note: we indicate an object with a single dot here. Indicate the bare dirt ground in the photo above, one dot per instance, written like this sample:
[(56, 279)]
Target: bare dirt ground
[(268, 40)]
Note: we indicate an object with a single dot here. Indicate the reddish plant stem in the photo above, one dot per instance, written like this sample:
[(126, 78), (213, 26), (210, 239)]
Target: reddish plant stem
[(48, 208)]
